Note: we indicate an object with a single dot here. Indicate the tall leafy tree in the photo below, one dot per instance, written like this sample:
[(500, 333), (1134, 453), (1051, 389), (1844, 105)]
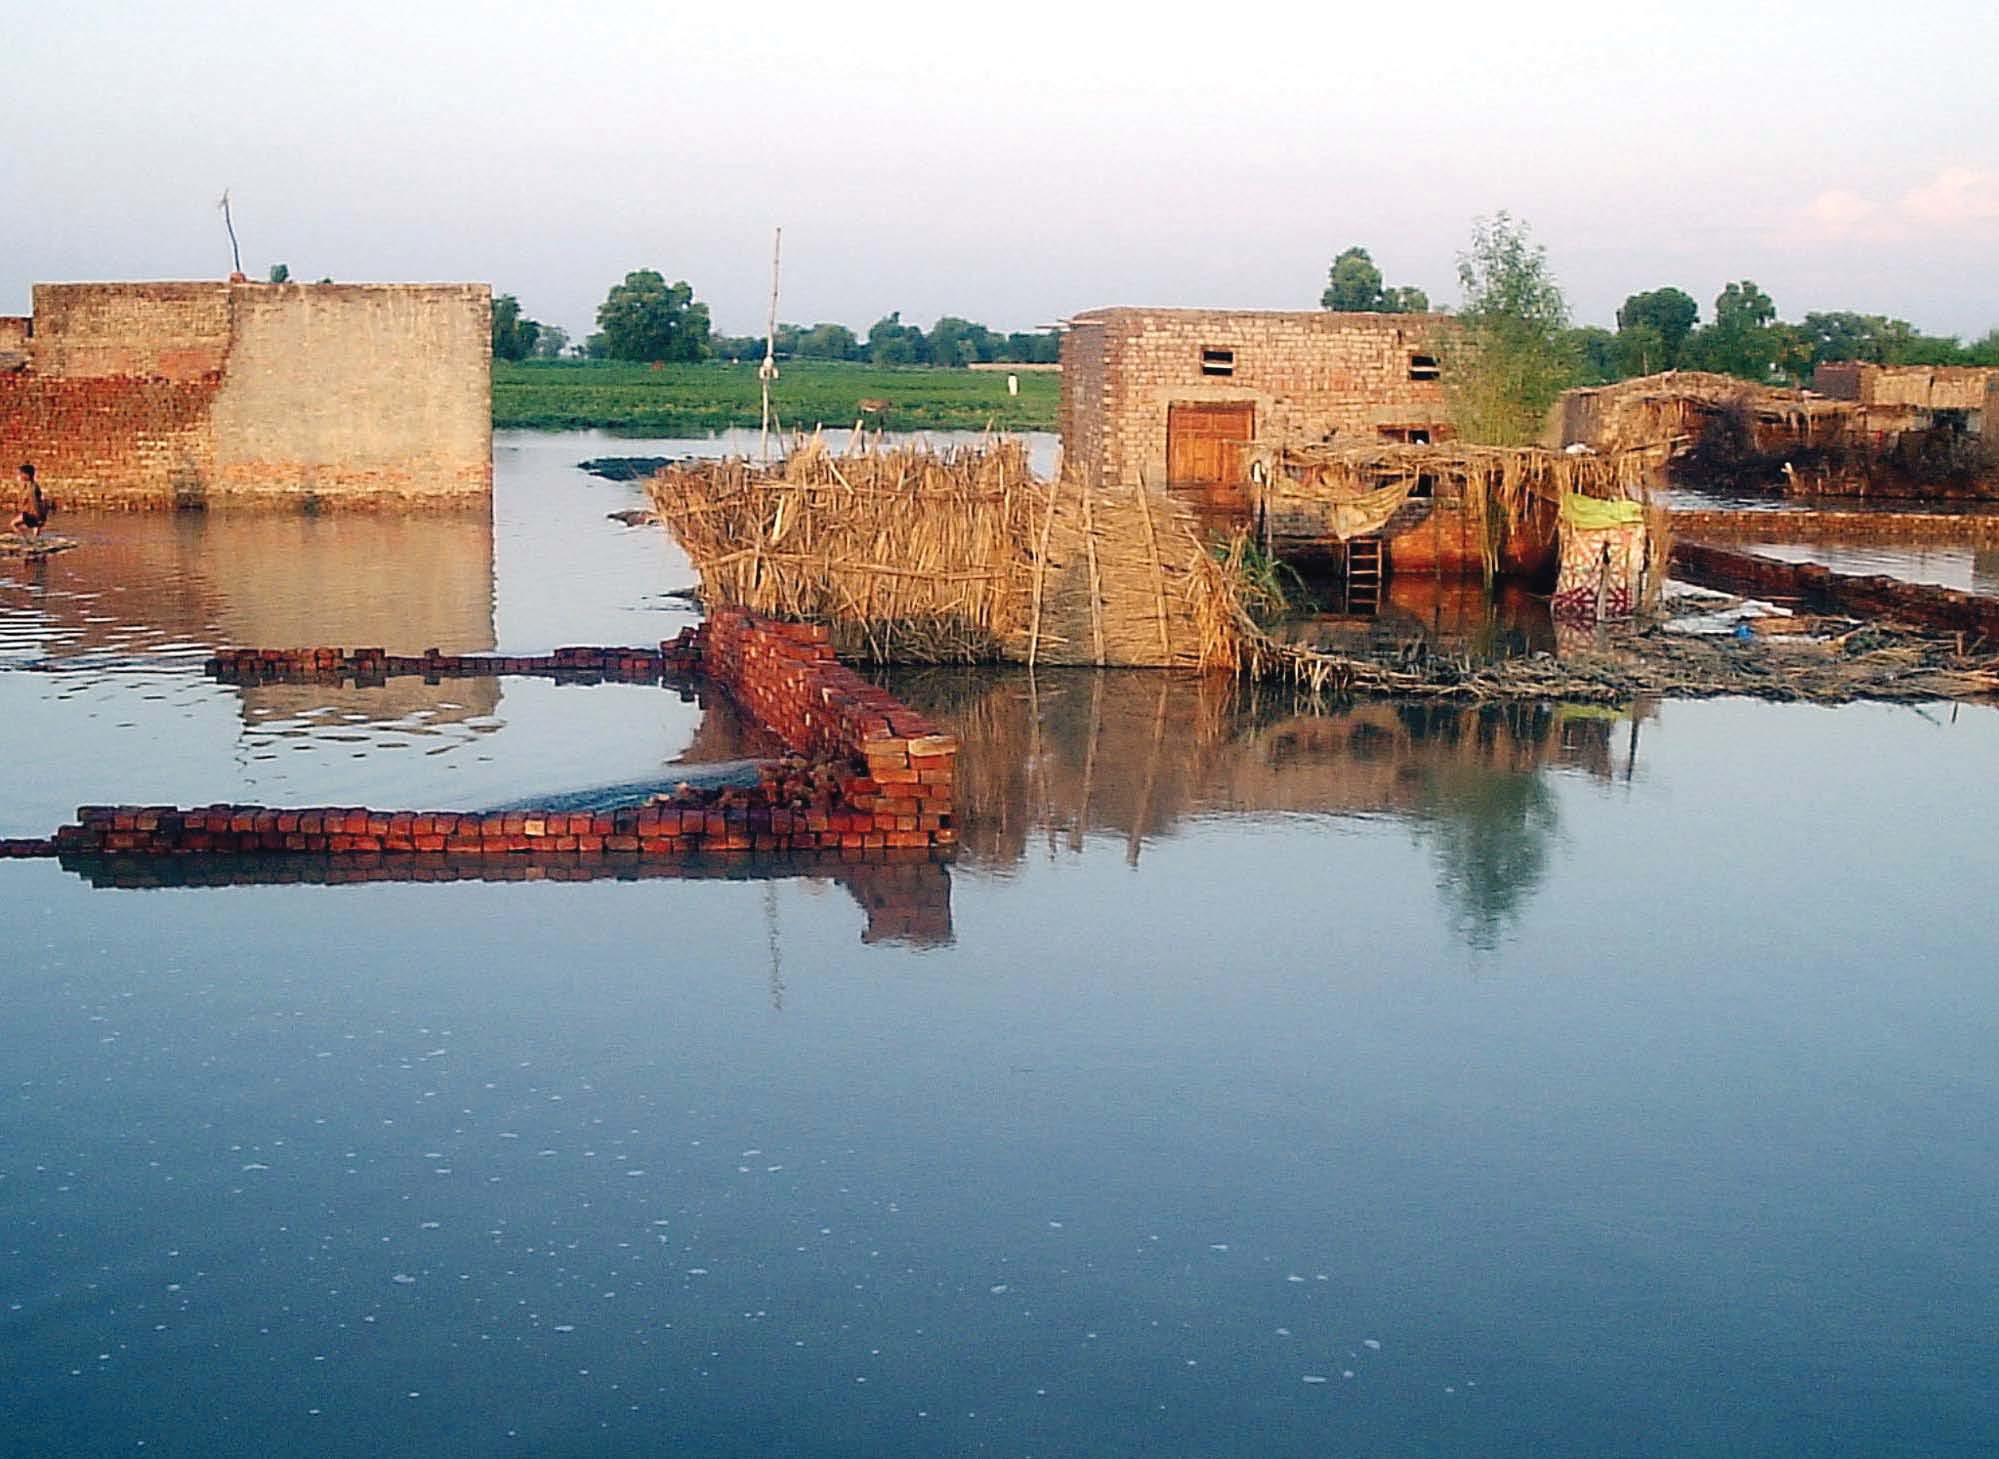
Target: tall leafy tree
[(891, 342), (1652, 327), (1510, 355), (514, 334), (1353, 285), (1595, 351), (1741, 340), (646, 318), (828, 342), (955, 341)]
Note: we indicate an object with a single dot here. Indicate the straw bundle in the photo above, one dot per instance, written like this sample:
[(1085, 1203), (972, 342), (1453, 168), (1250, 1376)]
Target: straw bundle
[(912, 555)]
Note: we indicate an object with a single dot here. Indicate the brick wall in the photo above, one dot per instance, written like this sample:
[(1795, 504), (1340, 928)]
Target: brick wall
[(210, 393), (785, 675), (174, 331), (357, 391), (110, 440), (1876, 596), (1930, 387), (1311, 376)]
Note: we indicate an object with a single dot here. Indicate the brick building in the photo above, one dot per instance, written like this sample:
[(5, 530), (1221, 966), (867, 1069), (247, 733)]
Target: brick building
[(1973, 388), (1169, 396), (192, 394)]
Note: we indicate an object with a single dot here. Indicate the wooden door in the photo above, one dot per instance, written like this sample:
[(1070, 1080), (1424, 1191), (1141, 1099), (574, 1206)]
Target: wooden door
[(1204, 441)]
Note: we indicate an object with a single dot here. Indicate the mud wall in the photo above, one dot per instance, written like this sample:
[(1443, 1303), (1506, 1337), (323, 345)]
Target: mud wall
[(1311, 376), (337, 392), (313, 395), (1929, 387)]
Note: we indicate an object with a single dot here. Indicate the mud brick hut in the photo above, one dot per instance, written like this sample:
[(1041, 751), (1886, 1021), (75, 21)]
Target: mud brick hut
[(200, 394), (1887, 431), (1973, 389), (1171, 397)]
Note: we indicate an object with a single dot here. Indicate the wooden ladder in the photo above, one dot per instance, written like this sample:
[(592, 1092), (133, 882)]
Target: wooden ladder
[(1363, 575)]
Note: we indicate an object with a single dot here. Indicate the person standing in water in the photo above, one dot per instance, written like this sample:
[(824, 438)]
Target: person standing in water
[(33, 514)]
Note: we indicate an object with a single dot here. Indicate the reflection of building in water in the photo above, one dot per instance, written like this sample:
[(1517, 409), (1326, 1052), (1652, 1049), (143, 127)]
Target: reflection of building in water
[(1064, 755), (179, 584), (1450, 614)]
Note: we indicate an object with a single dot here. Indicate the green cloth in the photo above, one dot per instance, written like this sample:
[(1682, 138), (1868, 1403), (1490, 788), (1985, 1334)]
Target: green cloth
[(1590, 514)]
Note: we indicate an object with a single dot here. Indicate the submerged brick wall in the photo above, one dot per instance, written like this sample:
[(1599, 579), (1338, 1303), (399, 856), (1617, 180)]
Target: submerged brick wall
[(320, 395), (867, 773), (1310, 376), (1874, 596)]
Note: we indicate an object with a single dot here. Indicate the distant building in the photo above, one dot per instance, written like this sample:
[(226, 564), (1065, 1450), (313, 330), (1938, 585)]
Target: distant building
[(1927, 387), (193, 394), (1169, 397)]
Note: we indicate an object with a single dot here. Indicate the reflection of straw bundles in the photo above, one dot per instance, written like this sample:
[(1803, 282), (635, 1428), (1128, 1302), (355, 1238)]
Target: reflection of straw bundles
[(917, 556)]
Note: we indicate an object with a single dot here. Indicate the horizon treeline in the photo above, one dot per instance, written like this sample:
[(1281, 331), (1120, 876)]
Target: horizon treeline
[(1661, 329), (648, 320)]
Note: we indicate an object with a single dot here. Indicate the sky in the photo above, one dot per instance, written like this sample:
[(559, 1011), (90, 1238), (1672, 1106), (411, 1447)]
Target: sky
[(1013, 162)]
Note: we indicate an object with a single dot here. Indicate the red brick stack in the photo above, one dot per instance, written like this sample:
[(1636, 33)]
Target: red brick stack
[(785, 675)]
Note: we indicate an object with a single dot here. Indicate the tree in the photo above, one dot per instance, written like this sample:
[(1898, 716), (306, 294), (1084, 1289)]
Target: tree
[(1595, 351), (891, 342), (1509, 357), (281, 273), (955, 341), (513, 335), (550, 341), (828, 342), (646, 318), (1353, 285), (1651, 329), (1741, 341), (1040, 348)]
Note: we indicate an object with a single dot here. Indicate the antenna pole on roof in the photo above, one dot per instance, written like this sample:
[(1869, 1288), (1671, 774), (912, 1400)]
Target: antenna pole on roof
[(235, 253), (767, 371)]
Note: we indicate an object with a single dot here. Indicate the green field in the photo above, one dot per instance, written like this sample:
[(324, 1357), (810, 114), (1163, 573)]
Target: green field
[(681, 399)]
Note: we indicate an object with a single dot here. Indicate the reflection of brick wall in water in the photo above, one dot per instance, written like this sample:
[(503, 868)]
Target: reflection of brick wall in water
[(211, 579), (164, 394), (908, 903)]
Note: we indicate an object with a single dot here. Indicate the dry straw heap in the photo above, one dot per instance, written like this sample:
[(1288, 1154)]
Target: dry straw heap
[(913, 555)]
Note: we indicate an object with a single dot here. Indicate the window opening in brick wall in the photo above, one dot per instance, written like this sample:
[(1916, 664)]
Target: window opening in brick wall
[(1217, 361), (1425, 487), (1425, 367)]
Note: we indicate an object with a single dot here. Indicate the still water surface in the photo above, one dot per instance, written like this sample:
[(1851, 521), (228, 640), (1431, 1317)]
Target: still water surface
[(1394, 1082)]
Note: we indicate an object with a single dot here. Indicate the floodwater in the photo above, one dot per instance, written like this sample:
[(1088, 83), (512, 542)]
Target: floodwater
[(1398, 1081), (1972, 569)]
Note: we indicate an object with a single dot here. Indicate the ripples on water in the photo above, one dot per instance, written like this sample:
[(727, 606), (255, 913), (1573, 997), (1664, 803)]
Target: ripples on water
[(1403, 1080)]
